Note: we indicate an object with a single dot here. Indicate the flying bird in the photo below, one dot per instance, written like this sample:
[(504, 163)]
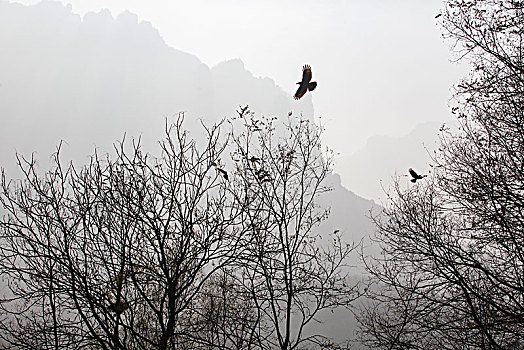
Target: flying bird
[(415, 176), (306, 83), (224, 173)]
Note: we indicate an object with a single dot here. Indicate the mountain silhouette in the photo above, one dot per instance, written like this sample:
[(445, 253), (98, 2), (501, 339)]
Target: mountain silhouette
[(373, 177), (88, 80)]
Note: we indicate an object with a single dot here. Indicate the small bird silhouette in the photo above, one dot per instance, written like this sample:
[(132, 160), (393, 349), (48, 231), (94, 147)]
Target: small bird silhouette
[(306, 83), (415, 176), (119, 307), (224, 173)]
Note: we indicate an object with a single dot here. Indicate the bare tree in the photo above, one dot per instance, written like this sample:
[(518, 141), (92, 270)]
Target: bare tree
[(111, 256), (188, 250), (225, 315), (292, 271), (451, 274)]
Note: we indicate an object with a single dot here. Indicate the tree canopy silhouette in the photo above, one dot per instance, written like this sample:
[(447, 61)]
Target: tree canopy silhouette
[(133, 251), (451, 271)]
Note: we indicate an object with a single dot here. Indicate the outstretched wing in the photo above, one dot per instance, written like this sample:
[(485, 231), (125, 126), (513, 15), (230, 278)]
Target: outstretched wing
[(306, 74), (300, 91), (304, 84), (413, 173)]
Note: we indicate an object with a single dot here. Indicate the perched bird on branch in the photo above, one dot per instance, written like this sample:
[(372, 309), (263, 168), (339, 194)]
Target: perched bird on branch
[(118, 307), (415, 176), (306, 83), (224, 173)]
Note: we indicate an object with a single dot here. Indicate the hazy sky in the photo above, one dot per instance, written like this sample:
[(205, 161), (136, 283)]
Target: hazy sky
[(381, 65)]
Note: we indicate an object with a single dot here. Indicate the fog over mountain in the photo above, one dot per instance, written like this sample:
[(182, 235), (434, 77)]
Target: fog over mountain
[(88, 80), (393, 155)]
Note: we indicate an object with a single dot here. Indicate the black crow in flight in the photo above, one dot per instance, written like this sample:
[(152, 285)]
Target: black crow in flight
[(306, 83), (415, 176)]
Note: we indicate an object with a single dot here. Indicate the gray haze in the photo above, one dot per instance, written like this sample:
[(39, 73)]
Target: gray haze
[(89, 80), (382, 66), (385, 157)]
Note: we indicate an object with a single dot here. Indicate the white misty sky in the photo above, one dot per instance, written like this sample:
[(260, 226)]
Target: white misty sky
[(381, 65)]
